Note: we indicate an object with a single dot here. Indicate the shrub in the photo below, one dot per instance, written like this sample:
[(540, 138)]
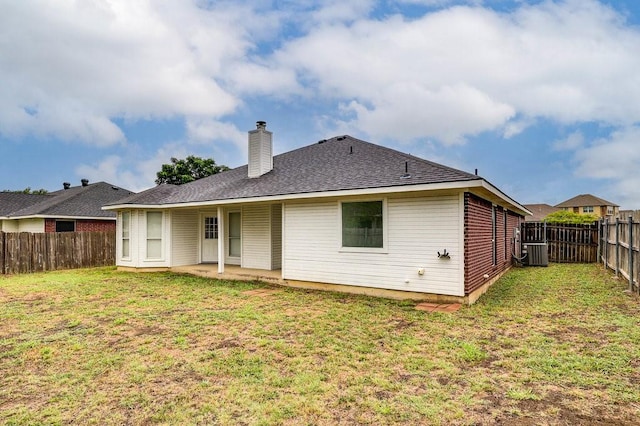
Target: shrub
[(562, 216)]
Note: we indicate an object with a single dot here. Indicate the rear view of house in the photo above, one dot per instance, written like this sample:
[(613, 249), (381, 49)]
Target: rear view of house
[(73, 208), (340, 213)]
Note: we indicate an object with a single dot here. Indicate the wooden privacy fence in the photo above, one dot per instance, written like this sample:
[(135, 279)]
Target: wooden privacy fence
[(566, 243), (620, 249), (26, 252)]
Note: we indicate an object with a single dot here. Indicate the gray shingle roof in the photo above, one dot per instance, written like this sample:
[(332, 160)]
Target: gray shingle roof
[(77, 201), (14, 201), (585, 200), (540, 211), (339, 163)]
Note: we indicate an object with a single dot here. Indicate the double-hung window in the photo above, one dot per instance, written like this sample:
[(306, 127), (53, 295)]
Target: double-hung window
[(154, 235), (363, 224), (126, 221)]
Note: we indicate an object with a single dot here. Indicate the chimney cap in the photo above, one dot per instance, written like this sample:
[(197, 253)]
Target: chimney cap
[(261, 124)]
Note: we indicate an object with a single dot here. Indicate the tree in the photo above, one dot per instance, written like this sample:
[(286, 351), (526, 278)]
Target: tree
[(28, 190), (191, 168), (564, 216)]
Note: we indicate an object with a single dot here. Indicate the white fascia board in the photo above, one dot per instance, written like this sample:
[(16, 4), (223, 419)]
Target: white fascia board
[(44, 216), (458, 185)]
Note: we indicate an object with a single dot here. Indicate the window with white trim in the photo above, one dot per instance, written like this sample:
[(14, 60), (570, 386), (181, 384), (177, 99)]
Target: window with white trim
[(363, 224), (587, 209), (154, 235), (125, 232)]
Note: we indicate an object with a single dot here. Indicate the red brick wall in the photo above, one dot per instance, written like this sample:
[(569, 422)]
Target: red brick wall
[(84, 225), (95, 225), (478, 245), (49, 225)]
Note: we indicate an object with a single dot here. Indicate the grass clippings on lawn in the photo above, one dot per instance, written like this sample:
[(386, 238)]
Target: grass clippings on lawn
[(557, 345)]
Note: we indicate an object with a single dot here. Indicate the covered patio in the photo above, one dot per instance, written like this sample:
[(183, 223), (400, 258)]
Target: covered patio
[(232, 272)]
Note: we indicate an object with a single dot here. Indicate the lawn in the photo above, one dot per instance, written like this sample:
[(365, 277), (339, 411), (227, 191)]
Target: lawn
[(557, 345)]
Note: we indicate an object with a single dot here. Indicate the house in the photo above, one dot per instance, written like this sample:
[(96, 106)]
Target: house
[(540, 211), (77, 208), (590, 204), (341, 214)]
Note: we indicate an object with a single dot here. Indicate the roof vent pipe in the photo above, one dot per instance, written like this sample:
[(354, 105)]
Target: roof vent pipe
[(85, 182), (66, 185)]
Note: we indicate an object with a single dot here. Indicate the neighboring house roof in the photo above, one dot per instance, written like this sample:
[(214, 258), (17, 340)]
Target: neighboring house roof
[(337, 164), (540, 211), (13, 201), (583, 200), (77, 201)]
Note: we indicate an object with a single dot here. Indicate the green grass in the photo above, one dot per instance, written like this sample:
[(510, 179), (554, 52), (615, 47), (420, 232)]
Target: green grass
[(556, 345)]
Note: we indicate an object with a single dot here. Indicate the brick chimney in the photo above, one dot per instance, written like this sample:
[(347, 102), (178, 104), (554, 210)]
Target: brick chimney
[(260, 150)]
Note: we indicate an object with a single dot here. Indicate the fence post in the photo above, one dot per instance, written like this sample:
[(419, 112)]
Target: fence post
[(617, 247), (606, 243), (598, 257), (631, 253), (2, 252)]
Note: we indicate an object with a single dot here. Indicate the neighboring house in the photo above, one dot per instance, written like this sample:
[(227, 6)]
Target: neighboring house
[(77, 208), (590, 204), (341, 211), (540, 211)]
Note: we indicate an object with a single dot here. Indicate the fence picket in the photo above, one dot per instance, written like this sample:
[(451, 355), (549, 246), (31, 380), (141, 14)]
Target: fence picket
[(622, 252), (26, 252), (566, 243)]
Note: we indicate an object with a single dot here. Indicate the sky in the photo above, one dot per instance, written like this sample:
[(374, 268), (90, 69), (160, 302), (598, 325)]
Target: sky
[(541, 97)]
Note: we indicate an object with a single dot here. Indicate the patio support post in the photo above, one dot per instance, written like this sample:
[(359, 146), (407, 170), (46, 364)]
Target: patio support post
[(221, 238)]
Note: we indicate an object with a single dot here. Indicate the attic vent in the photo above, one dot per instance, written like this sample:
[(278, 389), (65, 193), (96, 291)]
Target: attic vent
[(322, 141), (115, 188), (341, 138)]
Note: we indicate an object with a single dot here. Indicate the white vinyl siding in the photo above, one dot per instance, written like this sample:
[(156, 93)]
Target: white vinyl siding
[(276, 236), (256, 237), (184, 237), (418, 228), (10, 226), (31, 225)]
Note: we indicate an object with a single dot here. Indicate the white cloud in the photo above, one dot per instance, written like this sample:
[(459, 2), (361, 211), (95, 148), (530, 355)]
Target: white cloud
[(206, 130), (616, 159), (448, 114), (136, 170), (70, 68), (571, 143), (567, 61)]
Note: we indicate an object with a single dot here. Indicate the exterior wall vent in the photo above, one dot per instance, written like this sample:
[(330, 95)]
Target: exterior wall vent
[(260, 150)]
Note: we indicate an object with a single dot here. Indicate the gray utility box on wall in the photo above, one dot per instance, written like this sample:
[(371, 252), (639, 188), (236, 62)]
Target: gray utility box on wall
[(537, 254)]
